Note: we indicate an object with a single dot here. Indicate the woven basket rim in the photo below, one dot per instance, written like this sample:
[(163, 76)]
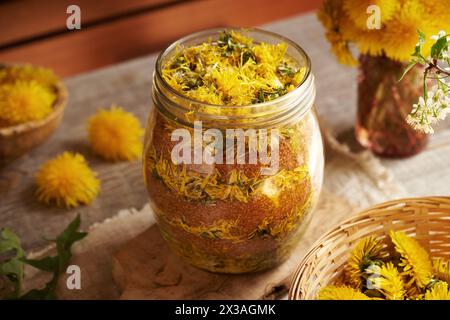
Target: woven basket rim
[(352, 222)]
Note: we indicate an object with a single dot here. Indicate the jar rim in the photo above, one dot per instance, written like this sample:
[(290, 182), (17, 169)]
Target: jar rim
[(170, 47)]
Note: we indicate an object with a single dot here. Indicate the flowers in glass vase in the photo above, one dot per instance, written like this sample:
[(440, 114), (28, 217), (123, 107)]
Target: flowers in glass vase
[(385, 33), (392, 34)]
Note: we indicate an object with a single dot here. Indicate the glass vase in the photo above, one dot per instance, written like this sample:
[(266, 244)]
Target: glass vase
[(384, 102)]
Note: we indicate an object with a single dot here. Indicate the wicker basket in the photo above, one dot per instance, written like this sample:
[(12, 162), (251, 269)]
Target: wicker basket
[(427, 219)]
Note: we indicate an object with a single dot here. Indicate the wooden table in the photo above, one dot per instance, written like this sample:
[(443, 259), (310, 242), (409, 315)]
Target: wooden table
[(129, 84)]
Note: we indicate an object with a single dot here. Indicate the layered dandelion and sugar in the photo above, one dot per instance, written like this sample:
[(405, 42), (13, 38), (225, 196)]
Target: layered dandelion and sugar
[(233, 155)]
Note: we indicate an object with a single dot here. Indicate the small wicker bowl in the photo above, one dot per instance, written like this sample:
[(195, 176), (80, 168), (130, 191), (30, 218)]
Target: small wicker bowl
[(18, 139), (427, 219)]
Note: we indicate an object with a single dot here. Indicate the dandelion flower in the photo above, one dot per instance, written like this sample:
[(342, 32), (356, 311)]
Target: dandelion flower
[(115, 134), (25, 101), (357, 10), (331, 15), (439, 291), (387, 280), (437, 14), (366, 251), (341, 49), (414, 259), (340, 293), (28, 73), (67, 180), (367, 41), (410, 19), (441, 269)]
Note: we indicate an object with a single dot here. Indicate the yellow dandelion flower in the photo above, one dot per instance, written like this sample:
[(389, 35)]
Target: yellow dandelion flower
[(67, 180), (330, 14), (241, 38), (387, 280), (396, 38), (439, 291), (366, 251), (357, 10), (400, 35), (441, 269), (115, 134), (437, 14), (341, 49), (340, 293), (269, 53), (400, 50), (435, 17), (27, 73), (25, 101), (414, 259), (367, 41)]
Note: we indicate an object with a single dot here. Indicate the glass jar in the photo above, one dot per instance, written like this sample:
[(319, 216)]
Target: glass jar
[(244, 206)]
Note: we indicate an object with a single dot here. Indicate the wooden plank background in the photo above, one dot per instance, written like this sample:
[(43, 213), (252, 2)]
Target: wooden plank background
[(34, 31)]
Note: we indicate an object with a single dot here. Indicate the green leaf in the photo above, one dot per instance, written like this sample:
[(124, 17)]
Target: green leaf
[(65, 241), (229, 43), (437, 48), (422, 37), (247, 55), (49, 264), (407, 69), (286, 70), (58, 263), (12, 266), (419, 45), (46, 293), (9, 241)]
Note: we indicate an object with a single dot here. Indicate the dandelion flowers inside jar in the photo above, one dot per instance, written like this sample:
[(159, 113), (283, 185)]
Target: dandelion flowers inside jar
[(32, 101), (226, 203)]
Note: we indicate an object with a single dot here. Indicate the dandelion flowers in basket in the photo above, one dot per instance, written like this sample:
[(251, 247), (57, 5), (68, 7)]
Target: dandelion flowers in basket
[(406, 273), (32, 103), (26, 94)]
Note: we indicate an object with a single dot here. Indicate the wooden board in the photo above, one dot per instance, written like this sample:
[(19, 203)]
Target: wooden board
[(27, 19), (136, 34)]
